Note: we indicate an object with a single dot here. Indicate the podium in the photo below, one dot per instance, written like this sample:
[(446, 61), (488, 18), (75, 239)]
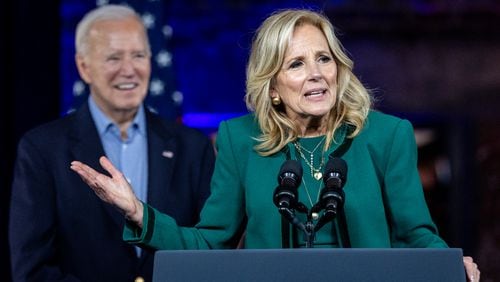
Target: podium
[(313, 265)]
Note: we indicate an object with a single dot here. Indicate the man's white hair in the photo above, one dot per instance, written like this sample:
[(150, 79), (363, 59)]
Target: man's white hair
[(103, 13)]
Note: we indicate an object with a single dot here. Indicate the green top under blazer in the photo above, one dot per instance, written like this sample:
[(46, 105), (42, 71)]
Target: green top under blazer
[(384, 201)]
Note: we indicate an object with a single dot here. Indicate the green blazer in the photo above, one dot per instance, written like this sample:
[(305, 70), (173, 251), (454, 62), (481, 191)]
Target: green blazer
[(384, 201)]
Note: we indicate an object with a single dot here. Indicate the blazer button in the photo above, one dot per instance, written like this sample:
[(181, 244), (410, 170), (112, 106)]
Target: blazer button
[(139, 279)]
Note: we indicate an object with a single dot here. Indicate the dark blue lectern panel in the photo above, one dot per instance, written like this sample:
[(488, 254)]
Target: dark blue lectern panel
[(311, 265)]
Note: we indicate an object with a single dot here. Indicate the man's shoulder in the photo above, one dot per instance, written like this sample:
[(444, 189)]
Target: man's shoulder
[(52, 129)]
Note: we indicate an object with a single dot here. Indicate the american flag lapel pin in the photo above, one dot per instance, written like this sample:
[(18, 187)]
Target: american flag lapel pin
[(167, 154)]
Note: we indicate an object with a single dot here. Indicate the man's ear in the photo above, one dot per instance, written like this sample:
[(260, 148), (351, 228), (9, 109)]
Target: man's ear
[(83, 68)]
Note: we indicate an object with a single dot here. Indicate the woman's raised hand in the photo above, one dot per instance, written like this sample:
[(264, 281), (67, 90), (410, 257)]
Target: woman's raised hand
[(114, 190)]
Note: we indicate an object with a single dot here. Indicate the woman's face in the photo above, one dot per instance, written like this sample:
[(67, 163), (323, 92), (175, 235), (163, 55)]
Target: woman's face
[(307, 80)]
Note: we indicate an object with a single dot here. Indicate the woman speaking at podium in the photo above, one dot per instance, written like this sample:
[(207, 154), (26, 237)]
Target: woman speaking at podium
[(306, 107)]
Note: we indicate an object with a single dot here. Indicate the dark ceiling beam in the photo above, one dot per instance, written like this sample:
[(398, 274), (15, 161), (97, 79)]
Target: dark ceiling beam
[(477, 25)]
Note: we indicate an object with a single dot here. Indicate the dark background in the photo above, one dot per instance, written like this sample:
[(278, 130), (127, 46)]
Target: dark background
[(433, 62)]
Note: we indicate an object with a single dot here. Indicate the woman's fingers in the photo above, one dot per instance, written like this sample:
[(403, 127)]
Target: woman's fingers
[(86, 173), (109, 167), (104, 186), (473, 273), (114, 190)]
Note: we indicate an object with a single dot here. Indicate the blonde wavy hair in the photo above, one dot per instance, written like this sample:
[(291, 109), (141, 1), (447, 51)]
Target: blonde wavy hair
[(269, 45)]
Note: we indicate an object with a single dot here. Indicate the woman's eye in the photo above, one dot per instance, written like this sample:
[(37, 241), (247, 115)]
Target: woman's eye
[(295, 64), (325, 59)]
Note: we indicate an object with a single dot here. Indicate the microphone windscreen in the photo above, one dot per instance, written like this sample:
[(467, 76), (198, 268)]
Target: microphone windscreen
[(291, 170), (336, 165)]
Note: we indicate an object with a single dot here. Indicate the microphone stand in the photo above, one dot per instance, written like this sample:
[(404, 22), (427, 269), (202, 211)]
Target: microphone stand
[(344, 233), (309, 229), (310, 232)]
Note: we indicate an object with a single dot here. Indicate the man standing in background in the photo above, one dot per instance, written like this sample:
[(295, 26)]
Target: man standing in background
[(58, 229)]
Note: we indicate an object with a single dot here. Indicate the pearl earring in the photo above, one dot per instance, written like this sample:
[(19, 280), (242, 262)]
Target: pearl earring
[(276, 100)]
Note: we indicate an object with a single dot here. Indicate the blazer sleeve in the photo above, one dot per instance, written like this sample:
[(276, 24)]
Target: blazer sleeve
[(32, 218), (221, 218), (409, 218)]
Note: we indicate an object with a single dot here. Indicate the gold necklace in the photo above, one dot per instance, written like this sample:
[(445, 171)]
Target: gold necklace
[(315, 172), (314, 215)]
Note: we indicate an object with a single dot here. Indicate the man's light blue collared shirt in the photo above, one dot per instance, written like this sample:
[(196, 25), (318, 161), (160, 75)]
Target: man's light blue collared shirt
[(129, 156)]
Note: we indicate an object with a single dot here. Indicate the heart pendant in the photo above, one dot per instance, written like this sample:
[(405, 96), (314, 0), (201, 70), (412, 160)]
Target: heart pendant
[(317, 175)]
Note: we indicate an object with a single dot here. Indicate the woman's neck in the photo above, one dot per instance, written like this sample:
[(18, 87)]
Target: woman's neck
[(313, 127)]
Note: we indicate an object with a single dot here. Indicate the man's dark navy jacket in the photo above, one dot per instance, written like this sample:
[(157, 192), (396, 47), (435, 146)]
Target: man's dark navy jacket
[(60, 230)]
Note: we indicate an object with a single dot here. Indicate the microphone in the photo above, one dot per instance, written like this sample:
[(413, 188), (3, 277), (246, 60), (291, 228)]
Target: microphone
[(331, 196), (285, 195), (335, 176), (289, 177)]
